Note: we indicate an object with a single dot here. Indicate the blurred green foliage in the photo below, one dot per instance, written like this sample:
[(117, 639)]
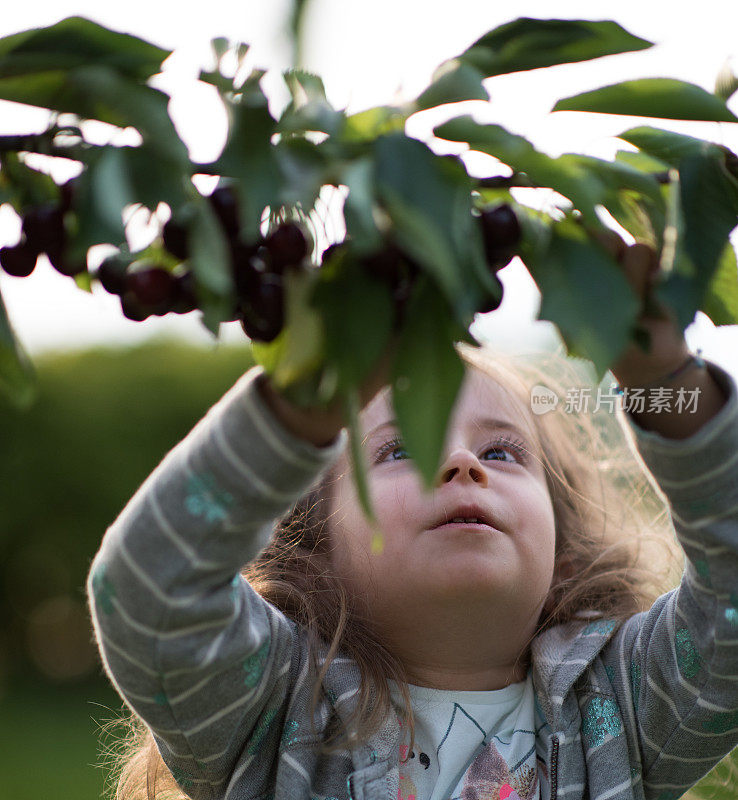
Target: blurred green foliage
[(104, 418), (52, 741)]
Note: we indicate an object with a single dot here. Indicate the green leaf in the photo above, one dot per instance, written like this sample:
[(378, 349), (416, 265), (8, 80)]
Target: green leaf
[(709, 199), (75, 42), (640, 161), (667, 147), (24, 187), (304, 169), (616, 176), (666, 98), (426, 377), (93, 222), (631, 195), (101, 93), (642, 217), (111, 186), (17, 375), (527, 43), (121, 102), (578, 280), (358, 312), (223, 83), (366, 126), (677, 287), (209, 254), (219, 45), (720, 301), (454, 81), (154, 181), (309, 109), (422, 194), (537, 228), (701, 217), (567, 174), (250, 158), (358, 208), (359, 468)]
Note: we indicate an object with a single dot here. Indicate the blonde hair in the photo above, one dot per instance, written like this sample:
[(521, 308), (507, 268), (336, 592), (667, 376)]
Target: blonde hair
[(615, 554)]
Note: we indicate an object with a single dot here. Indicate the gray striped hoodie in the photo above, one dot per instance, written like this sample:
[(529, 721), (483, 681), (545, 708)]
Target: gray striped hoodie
[(639, 710)]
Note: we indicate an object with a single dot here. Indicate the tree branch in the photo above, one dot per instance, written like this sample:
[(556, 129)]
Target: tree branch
[(40, 143), (522, 179)]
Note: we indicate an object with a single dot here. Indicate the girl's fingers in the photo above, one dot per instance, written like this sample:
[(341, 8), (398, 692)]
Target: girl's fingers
[(638, 263), (611, 242)]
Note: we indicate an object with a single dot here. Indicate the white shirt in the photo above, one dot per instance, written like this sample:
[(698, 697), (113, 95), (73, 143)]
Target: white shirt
[(470, 745)]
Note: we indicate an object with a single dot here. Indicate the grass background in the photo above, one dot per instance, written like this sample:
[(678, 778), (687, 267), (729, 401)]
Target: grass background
[(102, 420), (50, 740)]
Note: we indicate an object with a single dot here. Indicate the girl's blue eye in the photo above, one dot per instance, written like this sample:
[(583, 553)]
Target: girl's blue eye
[(515, 449), (388, 451)]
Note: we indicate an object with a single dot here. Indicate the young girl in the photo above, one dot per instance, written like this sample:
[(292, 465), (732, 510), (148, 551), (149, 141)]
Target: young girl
[(500, 645)]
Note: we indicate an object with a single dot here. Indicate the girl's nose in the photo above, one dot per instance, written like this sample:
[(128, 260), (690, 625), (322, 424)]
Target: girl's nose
[(462, 465)]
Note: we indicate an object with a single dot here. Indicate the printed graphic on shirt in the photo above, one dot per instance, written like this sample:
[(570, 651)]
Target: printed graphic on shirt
[(408, 789), (489, 777)]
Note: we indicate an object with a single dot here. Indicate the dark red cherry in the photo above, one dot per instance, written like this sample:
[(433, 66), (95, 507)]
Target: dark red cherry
[(18, 260), (263, 311), (501, 234), (492, 301), (150, 285), (175, 239), (67, 192), (384, 264), (132, 307), (43, 227), (244, 268), (184, 297), (224, 203), (62, 263), (287, 246), (112, 274)]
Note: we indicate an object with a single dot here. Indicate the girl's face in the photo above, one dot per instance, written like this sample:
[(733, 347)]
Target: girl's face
[(491, 462)]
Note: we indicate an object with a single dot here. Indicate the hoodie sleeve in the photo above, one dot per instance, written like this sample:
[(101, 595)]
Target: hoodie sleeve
[(186, 641), (674, 668)]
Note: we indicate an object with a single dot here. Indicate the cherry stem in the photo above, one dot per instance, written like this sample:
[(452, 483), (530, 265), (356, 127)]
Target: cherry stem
[(41, 143)]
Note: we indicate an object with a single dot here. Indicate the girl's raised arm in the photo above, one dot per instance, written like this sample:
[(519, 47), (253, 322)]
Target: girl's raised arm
[(209, 665), (666, 692)]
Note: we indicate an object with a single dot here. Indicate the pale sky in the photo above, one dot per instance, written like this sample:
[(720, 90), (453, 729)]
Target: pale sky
[(367, 55)]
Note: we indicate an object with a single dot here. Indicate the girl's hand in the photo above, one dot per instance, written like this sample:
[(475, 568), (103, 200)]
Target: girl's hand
[(320, 426), (668, 348)]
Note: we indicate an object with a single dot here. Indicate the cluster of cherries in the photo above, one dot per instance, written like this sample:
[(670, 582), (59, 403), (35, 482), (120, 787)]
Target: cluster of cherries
[(42, 232), (258, 268)]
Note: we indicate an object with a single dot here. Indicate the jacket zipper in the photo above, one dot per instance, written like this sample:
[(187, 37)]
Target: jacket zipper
[(554, 767)]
